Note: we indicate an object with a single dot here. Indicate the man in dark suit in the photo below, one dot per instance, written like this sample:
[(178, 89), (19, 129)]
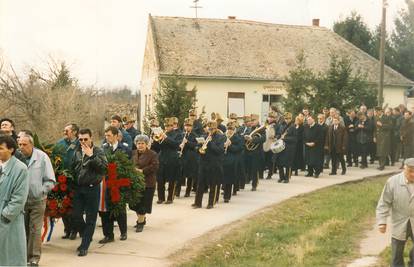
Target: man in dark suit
[(314, 144), (336, 144)]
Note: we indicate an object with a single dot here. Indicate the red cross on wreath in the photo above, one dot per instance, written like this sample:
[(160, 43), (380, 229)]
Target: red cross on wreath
[(114, 184)]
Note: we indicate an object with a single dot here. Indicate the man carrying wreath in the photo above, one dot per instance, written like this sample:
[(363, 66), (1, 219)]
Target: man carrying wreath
[(111, 146)]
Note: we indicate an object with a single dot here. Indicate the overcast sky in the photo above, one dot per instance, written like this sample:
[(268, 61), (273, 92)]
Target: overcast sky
[(103, 40)]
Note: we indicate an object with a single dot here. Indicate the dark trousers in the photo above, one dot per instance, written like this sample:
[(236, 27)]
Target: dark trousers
[(161, 190), (212, 182), (397, 250), (108, 223), (337, 157), (270, 165), (68, 224), (372, 151), (363, 152), (352, 156), (314, 169), (285, 173), (227, 191), (382, 160), (86, 200), (190, 185)]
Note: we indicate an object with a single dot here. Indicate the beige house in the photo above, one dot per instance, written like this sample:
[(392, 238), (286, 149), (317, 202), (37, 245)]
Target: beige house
[(240, 66)]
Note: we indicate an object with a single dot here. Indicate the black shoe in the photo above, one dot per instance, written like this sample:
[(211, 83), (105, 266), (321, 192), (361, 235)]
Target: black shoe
[(83, 252), (195, 206), (280, 180), (253, 188), (123, 237), (343, 172), (187, 195), (226, 201), (66, 236), (285, 181), (316, 176), (234, 193), (106, 240), (73, 236), (168, 202), (78, 248), (380, 168), (268, 177), (308, 175), (332, 173), (209, 206), (140, 227), (160, 201)]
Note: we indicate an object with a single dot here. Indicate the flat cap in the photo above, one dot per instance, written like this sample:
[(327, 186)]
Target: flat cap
[(409, 162)]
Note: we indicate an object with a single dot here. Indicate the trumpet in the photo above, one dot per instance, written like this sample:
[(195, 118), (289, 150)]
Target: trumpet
[(158, 135), (203, 148), (182, 145)]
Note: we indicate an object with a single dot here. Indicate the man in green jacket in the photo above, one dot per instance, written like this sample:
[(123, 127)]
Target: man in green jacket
[(382, 137)]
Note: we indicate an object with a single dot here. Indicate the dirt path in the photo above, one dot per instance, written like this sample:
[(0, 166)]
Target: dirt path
[(173, 227)]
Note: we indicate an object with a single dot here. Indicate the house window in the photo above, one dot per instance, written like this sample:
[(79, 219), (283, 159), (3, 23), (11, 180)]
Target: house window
[(235, 104)]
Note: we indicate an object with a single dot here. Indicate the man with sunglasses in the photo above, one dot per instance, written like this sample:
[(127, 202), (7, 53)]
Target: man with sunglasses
[(89, 166)]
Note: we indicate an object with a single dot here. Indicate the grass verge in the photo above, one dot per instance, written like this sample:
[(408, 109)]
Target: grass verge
[(322, 228)]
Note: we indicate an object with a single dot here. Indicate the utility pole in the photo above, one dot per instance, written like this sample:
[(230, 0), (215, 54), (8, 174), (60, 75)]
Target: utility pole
[(382, 53), (196, 7)]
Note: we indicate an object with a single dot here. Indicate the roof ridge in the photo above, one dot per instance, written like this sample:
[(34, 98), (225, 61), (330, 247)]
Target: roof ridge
[(253, 22)]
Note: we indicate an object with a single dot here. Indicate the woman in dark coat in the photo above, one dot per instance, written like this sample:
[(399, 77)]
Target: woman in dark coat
[(286, 157), (146, 162), (298, 161), (233, 148)]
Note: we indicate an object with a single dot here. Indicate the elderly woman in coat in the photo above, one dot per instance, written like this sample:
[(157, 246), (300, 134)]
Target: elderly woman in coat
[(14, 189), (146, 162)]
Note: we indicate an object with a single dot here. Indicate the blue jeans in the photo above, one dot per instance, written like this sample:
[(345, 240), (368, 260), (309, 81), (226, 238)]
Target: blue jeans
[(86, 200)]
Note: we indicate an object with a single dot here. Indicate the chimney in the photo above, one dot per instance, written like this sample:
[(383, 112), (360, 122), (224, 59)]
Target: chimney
[(315, 22), (231, 17)]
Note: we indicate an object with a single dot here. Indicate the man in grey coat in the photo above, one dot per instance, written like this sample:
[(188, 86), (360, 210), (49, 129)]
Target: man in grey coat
[(398, 199), (41, 180), (14, 188)]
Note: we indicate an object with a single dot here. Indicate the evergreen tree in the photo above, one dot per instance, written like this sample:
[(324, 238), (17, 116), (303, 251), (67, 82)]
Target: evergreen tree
[(173, 99), (298, 85), (341, 87), (403, 41), (355, 30)]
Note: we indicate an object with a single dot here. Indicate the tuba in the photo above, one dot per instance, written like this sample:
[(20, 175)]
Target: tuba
[(250, 146)]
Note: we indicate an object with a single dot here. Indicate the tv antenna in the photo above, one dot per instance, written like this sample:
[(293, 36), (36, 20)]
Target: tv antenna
[(196, 7)]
